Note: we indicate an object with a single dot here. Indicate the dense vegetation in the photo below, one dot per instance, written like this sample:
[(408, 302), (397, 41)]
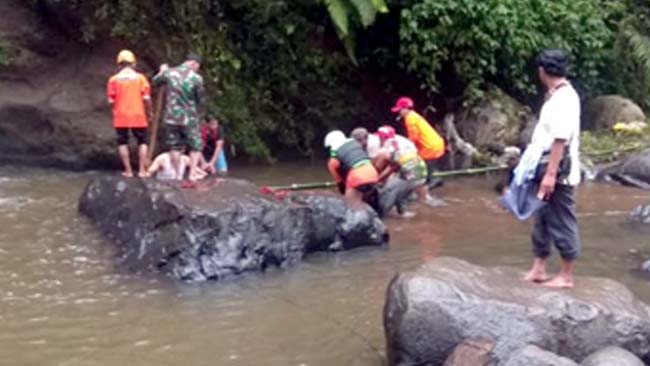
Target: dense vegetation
[(281, 72)]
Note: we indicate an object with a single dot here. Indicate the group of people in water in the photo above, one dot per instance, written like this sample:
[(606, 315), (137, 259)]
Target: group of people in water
[(381, 168), (367, 166), (193, 149)]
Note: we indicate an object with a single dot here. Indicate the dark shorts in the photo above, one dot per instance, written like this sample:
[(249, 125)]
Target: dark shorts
[(177, 137), (556, 224), (140, 135), (370, 196)]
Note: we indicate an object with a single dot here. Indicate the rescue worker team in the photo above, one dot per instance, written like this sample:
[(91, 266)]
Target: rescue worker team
[(194, 149), (381, 168)]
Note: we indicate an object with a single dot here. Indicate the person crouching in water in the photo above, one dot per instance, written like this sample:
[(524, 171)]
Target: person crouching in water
[(213, 159), (352, 169), (402, 159)]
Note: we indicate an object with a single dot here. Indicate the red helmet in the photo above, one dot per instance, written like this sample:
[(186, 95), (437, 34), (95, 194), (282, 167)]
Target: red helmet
[(385, 133), (402, 103)]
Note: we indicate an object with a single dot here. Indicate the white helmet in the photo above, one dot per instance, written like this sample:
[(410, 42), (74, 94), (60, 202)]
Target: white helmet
[(335, 139)]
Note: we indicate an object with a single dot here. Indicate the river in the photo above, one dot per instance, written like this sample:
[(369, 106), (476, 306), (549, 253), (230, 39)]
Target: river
[(63, 302)]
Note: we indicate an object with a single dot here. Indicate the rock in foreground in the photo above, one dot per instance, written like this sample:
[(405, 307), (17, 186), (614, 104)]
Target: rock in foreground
[(535, 356), (612, 356), (221, 227), (431, 310), (633, 171)]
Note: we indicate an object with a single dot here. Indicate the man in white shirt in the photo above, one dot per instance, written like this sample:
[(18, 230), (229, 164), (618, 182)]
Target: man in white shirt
[(558, 129)]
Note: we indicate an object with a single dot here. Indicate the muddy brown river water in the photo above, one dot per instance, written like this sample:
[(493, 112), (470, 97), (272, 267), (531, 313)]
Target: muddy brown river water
[(63, 302)]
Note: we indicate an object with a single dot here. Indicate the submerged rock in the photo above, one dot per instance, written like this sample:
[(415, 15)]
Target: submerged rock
[(645, 267), (612, 356), (221, 227), (633, 171), (640, 215), (535, 356), (432, 309)]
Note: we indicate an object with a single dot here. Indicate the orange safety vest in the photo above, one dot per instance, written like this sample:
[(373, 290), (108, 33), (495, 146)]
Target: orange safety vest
[(127, 91), (429, 143)]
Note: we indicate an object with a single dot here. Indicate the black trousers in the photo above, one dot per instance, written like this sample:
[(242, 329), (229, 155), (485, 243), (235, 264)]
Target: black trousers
[(557, 224)]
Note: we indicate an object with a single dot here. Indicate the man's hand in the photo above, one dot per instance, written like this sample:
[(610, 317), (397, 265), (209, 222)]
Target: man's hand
[(547, 187)]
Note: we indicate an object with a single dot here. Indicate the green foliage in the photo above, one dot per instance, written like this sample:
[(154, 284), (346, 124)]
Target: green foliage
[(632, 54), (606, 146), (481, 41), (347, 15), (270, 73)]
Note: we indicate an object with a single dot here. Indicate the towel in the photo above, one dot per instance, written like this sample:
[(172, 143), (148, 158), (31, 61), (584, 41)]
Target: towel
[(521, 198)]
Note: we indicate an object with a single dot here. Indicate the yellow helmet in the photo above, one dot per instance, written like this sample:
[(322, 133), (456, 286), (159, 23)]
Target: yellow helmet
[(125, 56)]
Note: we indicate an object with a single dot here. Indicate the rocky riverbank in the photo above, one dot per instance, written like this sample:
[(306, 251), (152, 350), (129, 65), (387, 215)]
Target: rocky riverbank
[(447, 301)]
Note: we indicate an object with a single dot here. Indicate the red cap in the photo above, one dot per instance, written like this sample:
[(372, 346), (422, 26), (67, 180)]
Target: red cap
[(402, 103), (385, 133)]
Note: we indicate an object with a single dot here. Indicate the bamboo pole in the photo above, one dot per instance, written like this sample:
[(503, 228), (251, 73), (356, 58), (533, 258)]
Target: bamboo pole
[(443, 174)]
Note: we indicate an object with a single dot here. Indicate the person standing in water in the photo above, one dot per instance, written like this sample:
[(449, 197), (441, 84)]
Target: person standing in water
[(185, 97), (129, 93), (431, 146), (557, 131)]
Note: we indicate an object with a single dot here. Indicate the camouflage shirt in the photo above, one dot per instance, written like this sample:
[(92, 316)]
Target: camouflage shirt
[(185, 93)]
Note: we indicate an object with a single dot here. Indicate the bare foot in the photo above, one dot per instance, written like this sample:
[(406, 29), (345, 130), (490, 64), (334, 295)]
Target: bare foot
[(143, 175), (127, 174), (535, 276), (559, 282)]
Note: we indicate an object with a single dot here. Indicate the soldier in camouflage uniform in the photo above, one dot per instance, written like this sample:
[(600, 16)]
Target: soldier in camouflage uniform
[(185, 95)]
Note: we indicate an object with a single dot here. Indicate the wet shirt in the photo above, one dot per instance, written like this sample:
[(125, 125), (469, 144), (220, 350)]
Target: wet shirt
[(126, 91), (429, 143), (185, 93), (210, 138), (404, 153)]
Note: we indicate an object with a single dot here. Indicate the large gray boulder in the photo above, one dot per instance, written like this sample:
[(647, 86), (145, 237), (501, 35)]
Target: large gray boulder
[(633, 171), (432, 309), (497, 119), (612, 356), (221, 227), (605, 111), (535, 356)]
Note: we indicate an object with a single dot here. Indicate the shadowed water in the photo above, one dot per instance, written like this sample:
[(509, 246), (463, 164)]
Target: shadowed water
[(63, 302)]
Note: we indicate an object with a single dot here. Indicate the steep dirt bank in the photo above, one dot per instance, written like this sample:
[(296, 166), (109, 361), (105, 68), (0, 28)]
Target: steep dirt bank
[(53, 110)]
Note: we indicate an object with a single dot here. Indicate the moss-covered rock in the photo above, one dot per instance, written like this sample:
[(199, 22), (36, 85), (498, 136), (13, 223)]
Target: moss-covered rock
[(603, 112), (497, 119)]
